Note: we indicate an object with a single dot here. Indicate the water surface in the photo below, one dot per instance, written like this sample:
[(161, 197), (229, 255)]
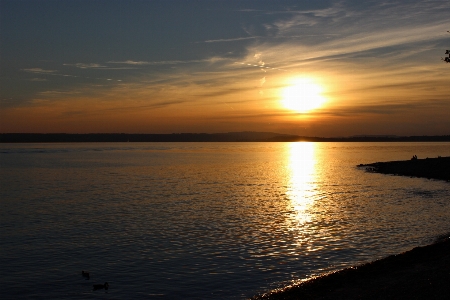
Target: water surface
[(204, 220)]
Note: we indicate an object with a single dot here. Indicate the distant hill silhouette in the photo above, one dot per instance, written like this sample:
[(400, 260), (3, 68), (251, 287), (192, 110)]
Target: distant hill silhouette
[(246, 136)]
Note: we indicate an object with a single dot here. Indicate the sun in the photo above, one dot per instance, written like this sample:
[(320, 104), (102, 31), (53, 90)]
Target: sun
[(303, 95)]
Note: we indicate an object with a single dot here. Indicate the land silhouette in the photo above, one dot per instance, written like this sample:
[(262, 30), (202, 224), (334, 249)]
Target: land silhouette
[(431, 168), (246, 136)]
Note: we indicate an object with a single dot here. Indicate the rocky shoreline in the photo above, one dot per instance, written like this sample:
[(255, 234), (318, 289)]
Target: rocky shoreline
[(431, 168)]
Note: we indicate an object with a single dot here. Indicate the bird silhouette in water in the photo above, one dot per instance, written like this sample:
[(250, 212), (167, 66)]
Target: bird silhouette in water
[(101, 286), (85, 275)]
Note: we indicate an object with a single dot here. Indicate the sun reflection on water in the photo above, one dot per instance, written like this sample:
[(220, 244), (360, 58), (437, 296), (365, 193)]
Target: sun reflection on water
[(302, 187)]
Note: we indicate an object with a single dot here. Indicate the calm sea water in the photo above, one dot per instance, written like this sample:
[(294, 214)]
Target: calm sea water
[(203, 220)]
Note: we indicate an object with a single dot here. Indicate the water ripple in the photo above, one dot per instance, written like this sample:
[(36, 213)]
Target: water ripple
[(202, 220)]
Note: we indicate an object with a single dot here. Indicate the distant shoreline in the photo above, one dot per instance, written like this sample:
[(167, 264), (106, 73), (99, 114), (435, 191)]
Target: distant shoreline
[(246, 136), (432, 168)]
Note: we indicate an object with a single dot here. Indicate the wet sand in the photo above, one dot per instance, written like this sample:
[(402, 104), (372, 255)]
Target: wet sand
[(421, 273)]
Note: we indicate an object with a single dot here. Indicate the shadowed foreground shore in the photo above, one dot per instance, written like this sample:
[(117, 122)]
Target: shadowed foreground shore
[(422, 273), (436, 168)]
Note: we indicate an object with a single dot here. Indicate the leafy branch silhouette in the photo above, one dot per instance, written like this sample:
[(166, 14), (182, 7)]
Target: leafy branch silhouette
[(447, 52)]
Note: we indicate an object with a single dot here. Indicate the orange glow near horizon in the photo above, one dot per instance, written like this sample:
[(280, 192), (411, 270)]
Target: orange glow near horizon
[(341, 104)]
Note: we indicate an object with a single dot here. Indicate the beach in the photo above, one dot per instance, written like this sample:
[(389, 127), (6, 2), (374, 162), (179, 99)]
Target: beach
[(421, 273)]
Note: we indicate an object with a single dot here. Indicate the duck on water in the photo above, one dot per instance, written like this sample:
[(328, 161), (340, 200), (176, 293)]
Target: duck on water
[(85, 274), (101, 286)]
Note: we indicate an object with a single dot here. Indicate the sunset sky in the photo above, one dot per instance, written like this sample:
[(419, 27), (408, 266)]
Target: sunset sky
[(312, 68)]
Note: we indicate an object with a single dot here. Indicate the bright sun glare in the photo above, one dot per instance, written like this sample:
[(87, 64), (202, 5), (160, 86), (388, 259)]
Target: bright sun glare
[(303, 95)]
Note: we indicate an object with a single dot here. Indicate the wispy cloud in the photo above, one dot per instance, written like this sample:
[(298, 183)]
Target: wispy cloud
[(96, 66), (87, 66), (123, 108), (39, 71), (56, 94), (46, 72), (230, 40), (155, 63), (343, 30), (423, 107), (262, 81), (130, 62)]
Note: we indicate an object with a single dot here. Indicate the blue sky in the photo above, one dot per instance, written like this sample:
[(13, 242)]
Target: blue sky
[(218, 66)]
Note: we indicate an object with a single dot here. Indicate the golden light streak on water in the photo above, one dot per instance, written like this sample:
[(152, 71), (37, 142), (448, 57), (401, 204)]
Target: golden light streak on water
[(302, 187)]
